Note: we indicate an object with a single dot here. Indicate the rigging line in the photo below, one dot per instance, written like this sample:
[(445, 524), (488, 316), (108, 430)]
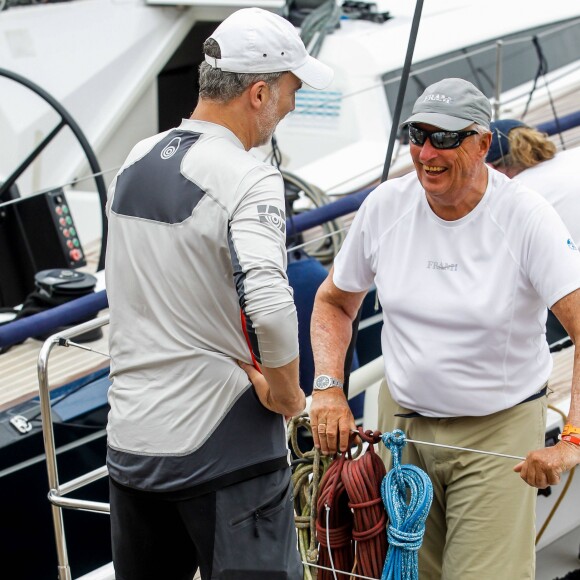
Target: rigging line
[(547, 32), (495, 454), (466, 449), (558, 28), (553, 78), (462, 56), (350, 574), (360, 91), (396, 154), (553, 107), (390, 81), (542, 69), (373, 183), (92, 175), (68, 342), (321, 104), (52, 188), (330, 234)]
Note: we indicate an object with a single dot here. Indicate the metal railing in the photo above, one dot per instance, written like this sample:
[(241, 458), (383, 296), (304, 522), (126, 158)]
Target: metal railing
[(58, 491)]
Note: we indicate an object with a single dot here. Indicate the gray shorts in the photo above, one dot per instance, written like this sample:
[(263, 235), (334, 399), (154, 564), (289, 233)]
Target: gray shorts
[(241, 532)]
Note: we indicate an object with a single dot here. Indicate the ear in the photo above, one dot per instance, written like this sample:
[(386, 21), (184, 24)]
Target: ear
[(259, 93), (485, 143)]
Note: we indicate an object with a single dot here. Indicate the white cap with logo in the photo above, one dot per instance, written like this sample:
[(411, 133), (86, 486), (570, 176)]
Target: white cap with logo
[(253, 40)]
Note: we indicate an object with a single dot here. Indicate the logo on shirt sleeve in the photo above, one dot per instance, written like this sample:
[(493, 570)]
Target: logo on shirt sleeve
[(571, 244), (271, 215)]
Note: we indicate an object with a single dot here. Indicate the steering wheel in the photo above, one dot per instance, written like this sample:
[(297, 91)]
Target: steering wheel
[(66, 120)]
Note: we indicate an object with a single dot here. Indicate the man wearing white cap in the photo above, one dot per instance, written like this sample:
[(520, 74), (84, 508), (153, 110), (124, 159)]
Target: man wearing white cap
[(199, 300), (465, 262)]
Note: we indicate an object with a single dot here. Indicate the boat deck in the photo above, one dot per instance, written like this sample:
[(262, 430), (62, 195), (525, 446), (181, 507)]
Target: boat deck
[(18, 366), (560, 558)]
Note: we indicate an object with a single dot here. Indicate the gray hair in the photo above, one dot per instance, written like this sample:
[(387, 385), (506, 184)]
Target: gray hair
[(222, 86), (481, 129)]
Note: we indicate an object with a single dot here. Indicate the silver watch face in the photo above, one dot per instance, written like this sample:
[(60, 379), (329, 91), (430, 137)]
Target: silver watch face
[(322, 382)]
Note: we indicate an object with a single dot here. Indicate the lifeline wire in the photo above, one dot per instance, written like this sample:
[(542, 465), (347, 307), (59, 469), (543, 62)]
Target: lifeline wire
[(349, 574), (494, 453), (467, 449), (82, 347), (407, 518)]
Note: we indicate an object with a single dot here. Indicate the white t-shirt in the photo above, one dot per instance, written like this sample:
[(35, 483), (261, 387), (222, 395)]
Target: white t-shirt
[(464, 301), (557, 181)]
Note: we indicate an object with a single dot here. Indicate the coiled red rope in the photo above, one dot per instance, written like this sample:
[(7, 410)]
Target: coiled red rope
[(332, 496), (351, 489)]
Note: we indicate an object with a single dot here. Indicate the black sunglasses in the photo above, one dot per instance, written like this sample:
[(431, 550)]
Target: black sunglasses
[(439, 139)]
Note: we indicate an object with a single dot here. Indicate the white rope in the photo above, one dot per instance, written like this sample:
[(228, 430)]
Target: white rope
[(351, 574), (334, 233), (465, 449), (328, 541), (494, 453)]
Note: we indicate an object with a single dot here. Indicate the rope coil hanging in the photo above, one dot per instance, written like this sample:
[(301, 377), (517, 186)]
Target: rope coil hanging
[(407, 493), (351, 521), (307, 471), (339, 503)]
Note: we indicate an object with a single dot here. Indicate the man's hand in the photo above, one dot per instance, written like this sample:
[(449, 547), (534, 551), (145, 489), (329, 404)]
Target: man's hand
[(264, 392), (331, 420), (260, 385), (544, 467)]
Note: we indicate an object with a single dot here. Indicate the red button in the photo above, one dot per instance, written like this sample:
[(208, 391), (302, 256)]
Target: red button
[(70, 244), (66, 233), (75, 255), (58, 210), (62, 221)]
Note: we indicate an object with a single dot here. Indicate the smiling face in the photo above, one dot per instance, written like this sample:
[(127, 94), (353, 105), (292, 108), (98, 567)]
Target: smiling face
[(454, 180)]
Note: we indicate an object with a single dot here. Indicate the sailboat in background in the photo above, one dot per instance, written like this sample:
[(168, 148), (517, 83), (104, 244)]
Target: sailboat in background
[(110, 73)]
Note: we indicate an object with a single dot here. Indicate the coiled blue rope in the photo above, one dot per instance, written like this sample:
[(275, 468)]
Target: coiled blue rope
[(407, 511)]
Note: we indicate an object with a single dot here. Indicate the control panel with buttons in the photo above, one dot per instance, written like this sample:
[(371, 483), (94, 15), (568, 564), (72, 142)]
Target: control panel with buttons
[(67, 231), (37, 233)]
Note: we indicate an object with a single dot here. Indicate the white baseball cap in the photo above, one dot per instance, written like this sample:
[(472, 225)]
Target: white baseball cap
[(253, 40)]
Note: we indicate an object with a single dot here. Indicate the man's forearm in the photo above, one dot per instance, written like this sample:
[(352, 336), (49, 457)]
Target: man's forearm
[(286, 396), (331, 332)]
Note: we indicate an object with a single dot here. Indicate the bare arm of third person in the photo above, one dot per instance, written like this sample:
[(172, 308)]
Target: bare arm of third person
[(331, 331), (544, 467), (278, 388)]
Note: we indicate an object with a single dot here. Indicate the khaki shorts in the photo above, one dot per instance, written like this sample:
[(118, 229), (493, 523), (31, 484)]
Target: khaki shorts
[(482, 520)]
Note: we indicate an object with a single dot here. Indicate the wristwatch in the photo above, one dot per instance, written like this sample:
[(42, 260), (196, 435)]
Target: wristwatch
[(323, 382)]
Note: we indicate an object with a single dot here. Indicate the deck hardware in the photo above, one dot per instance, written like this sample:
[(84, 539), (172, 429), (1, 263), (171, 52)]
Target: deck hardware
[(21, 424)]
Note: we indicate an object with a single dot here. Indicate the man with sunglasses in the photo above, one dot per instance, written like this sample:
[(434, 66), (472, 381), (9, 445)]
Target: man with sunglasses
[(465, 263)]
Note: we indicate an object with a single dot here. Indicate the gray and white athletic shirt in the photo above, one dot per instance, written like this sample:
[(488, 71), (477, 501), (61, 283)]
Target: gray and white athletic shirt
[(196, 280)]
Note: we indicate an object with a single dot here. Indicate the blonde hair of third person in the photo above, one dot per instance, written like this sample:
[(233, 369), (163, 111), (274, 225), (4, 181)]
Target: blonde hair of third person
[(527, 147)]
